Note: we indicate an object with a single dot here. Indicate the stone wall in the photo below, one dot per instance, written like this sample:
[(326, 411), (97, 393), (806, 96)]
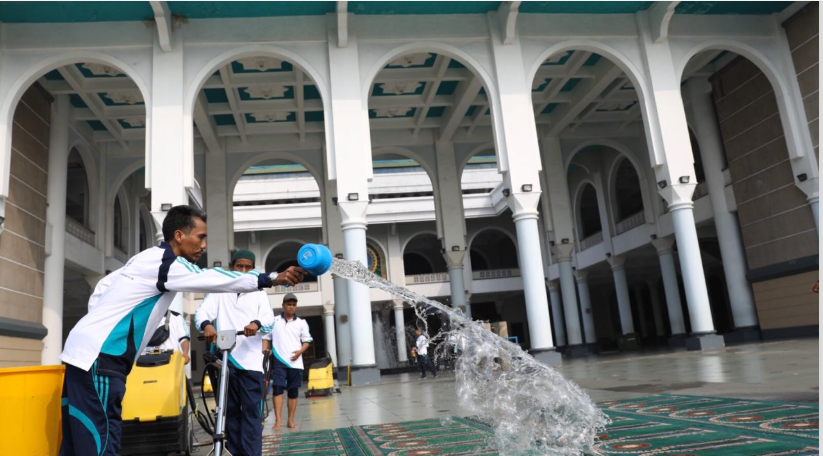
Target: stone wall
[(22, 243)]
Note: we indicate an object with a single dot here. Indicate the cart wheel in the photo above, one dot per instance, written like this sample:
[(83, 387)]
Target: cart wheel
[(188, 433)]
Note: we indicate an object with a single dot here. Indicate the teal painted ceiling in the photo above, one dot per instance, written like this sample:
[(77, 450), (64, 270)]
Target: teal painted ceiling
[(84, 11)]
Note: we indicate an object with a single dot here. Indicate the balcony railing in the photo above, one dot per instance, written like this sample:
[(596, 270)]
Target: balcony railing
[(299, 288), (120, 255), (591, 241), (437, 277), (495, 274), (630, 222), (79, 231)]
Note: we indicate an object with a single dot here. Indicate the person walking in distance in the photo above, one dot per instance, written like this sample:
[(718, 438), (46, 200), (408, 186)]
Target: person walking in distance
[(421, 348), (289, 339)]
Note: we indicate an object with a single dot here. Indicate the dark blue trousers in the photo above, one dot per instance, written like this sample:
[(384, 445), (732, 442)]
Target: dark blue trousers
[(423, 362), (244, 420), (91, 411)]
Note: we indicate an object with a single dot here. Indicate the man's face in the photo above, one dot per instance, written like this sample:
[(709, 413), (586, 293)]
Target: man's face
[(242, 265), (192, 244), (418, 332), (289, 308)]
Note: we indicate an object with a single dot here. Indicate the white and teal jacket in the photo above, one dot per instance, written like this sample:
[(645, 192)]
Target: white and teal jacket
[(128, 305), (234, 311)]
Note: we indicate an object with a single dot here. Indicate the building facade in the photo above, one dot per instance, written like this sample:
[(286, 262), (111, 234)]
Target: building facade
[(592, 173)]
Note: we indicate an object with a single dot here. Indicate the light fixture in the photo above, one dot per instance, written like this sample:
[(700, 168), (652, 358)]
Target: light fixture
[(802, 177), (662, 184), (654, 236), (371, 197), (165, 207), (551, 243), (442, 250), (334, 200), (353, 197), (506, 192), (608, 255), (564, 241), (526, 187), (217, 264), (339, 256), (684, 179), (455, 248)]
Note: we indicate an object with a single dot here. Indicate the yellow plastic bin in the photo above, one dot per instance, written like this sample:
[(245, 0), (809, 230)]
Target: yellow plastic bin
[(30, 421)]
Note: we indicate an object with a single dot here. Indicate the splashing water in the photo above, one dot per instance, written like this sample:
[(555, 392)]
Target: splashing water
[(530, 406)]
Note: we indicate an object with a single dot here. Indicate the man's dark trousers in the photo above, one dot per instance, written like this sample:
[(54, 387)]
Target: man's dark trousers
[(244, 427)]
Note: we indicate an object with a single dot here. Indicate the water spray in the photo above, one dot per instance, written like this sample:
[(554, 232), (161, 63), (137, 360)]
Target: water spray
[(530, 406)]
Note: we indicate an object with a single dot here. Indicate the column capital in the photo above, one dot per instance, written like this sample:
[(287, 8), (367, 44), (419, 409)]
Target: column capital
[(353, 214), (552, 285), (454, 258), (398, 304), (677, 195), (663, 245), (581, 275), (617, 262), (562, 252), (524, 204)]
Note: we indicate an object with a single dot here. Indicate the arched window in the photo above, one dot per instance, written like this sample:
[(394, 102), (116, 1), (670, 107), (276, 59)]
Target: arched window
[(627, 191), (77, 190), (492, 249), (589, 212), (422, 255)]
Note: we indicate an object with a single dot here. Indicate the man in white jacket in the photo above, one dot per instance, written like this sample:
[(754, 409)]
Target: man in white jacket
[(251, 312), (124, 311)]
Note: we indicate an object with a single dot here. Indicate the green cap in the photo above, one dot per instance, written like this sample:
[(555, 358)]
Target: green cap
[(242, 254)]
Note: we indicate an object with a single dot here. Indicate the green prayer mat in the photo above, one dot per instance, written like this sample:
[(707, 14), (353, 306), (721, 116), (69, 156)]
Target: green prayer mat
[(664, 425)]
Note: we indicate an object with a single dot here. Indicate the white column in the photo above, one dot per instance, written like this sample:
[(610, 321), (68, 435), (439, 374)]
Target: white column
[(621, 286), (582, 278), (54, 267), (641, 310), (707, 132), (167, 173), (654, 292), (569, 293), (341, 317), (557, 313), (400, 331), (691, 267), (813, 202), (218, 206), (328, 327), (354, 238), (670, 285)]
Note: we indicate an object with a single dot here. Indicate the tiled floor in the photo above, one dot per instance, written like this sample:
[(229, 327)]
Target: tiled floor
[(781, 371)]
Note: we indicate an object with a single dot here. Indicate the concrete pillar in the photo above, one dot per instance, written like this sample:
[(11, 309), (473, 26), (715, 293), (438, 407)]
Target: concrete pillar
[(329, 332), (654, 292), (582, 278), (569, 293), (671, 287), (56, 230), (707, 132), (341, 319), (400, 331), (671, 155), (641, 310), (557, 313), (218, 206), (621, 286), (813, 203), (354, 238)]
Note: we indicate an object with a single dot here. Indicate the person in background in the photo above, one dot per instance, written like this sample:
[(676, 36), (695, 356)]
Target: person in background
[(179, 338), (251, 312), (421, 348), (125, 309), (289, 339)]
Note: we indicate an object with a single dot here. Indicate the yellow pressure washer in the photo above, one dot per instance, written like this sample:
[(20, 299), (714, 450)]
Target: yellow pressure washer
[(321, 378)]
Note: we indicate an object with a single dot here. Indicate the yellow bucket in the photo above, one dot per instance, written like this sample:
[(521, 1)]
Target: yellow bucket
[(30, 423)]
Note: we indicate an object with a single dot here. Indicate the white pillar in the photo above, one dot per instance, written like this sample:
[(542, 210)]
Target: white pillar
[(328, 326), (707, 132), (531, 270), (569, 293), (341, 317), (557, 313), (54, 267), (654, 292), (450, 216), (400, 331), (691, 267), (671, 287), (813, 202), (582, 278), (641, 310), (354, 238), (218, 208), (621, 287)]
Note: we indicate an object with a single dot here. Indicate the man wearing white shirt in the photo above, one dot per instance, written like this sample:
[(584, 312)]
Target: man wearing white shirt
[(251, 312), (179, 338), (422, 349), (290, 338)]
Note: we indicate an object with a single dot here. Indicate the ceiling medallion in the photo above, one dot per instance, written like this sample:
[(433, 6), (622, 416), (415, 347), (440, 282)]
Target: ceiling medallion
[(266, 91), (135, 122), (122, 97), (392, 112), (98, 69), (270, 116), (411, 60), (399, 87), (261, 63)]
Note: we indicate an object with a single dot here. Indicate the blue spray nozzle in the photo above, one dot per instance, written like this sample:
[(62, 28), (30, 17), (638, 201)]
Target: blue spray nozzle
[(315, 258)]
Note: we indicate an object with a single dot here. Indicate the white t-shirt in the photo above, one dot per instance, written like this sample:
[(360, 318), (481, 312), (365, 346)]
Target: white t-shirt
[(287, 337), (235, 311), (134, 299), (422, 344)]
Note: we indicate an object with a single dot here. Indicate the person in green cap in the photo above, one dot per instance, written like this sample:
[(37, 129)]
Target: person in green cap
[(252, 313)]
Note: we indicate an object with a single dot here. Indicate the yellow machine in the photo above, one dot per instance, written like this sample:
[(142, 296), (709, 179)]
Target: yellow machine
[(321, 378), (155, 410)]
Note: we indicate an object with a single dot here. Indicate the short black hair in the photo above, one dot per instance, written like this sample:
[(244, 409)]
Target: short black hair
[(181, 218)]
